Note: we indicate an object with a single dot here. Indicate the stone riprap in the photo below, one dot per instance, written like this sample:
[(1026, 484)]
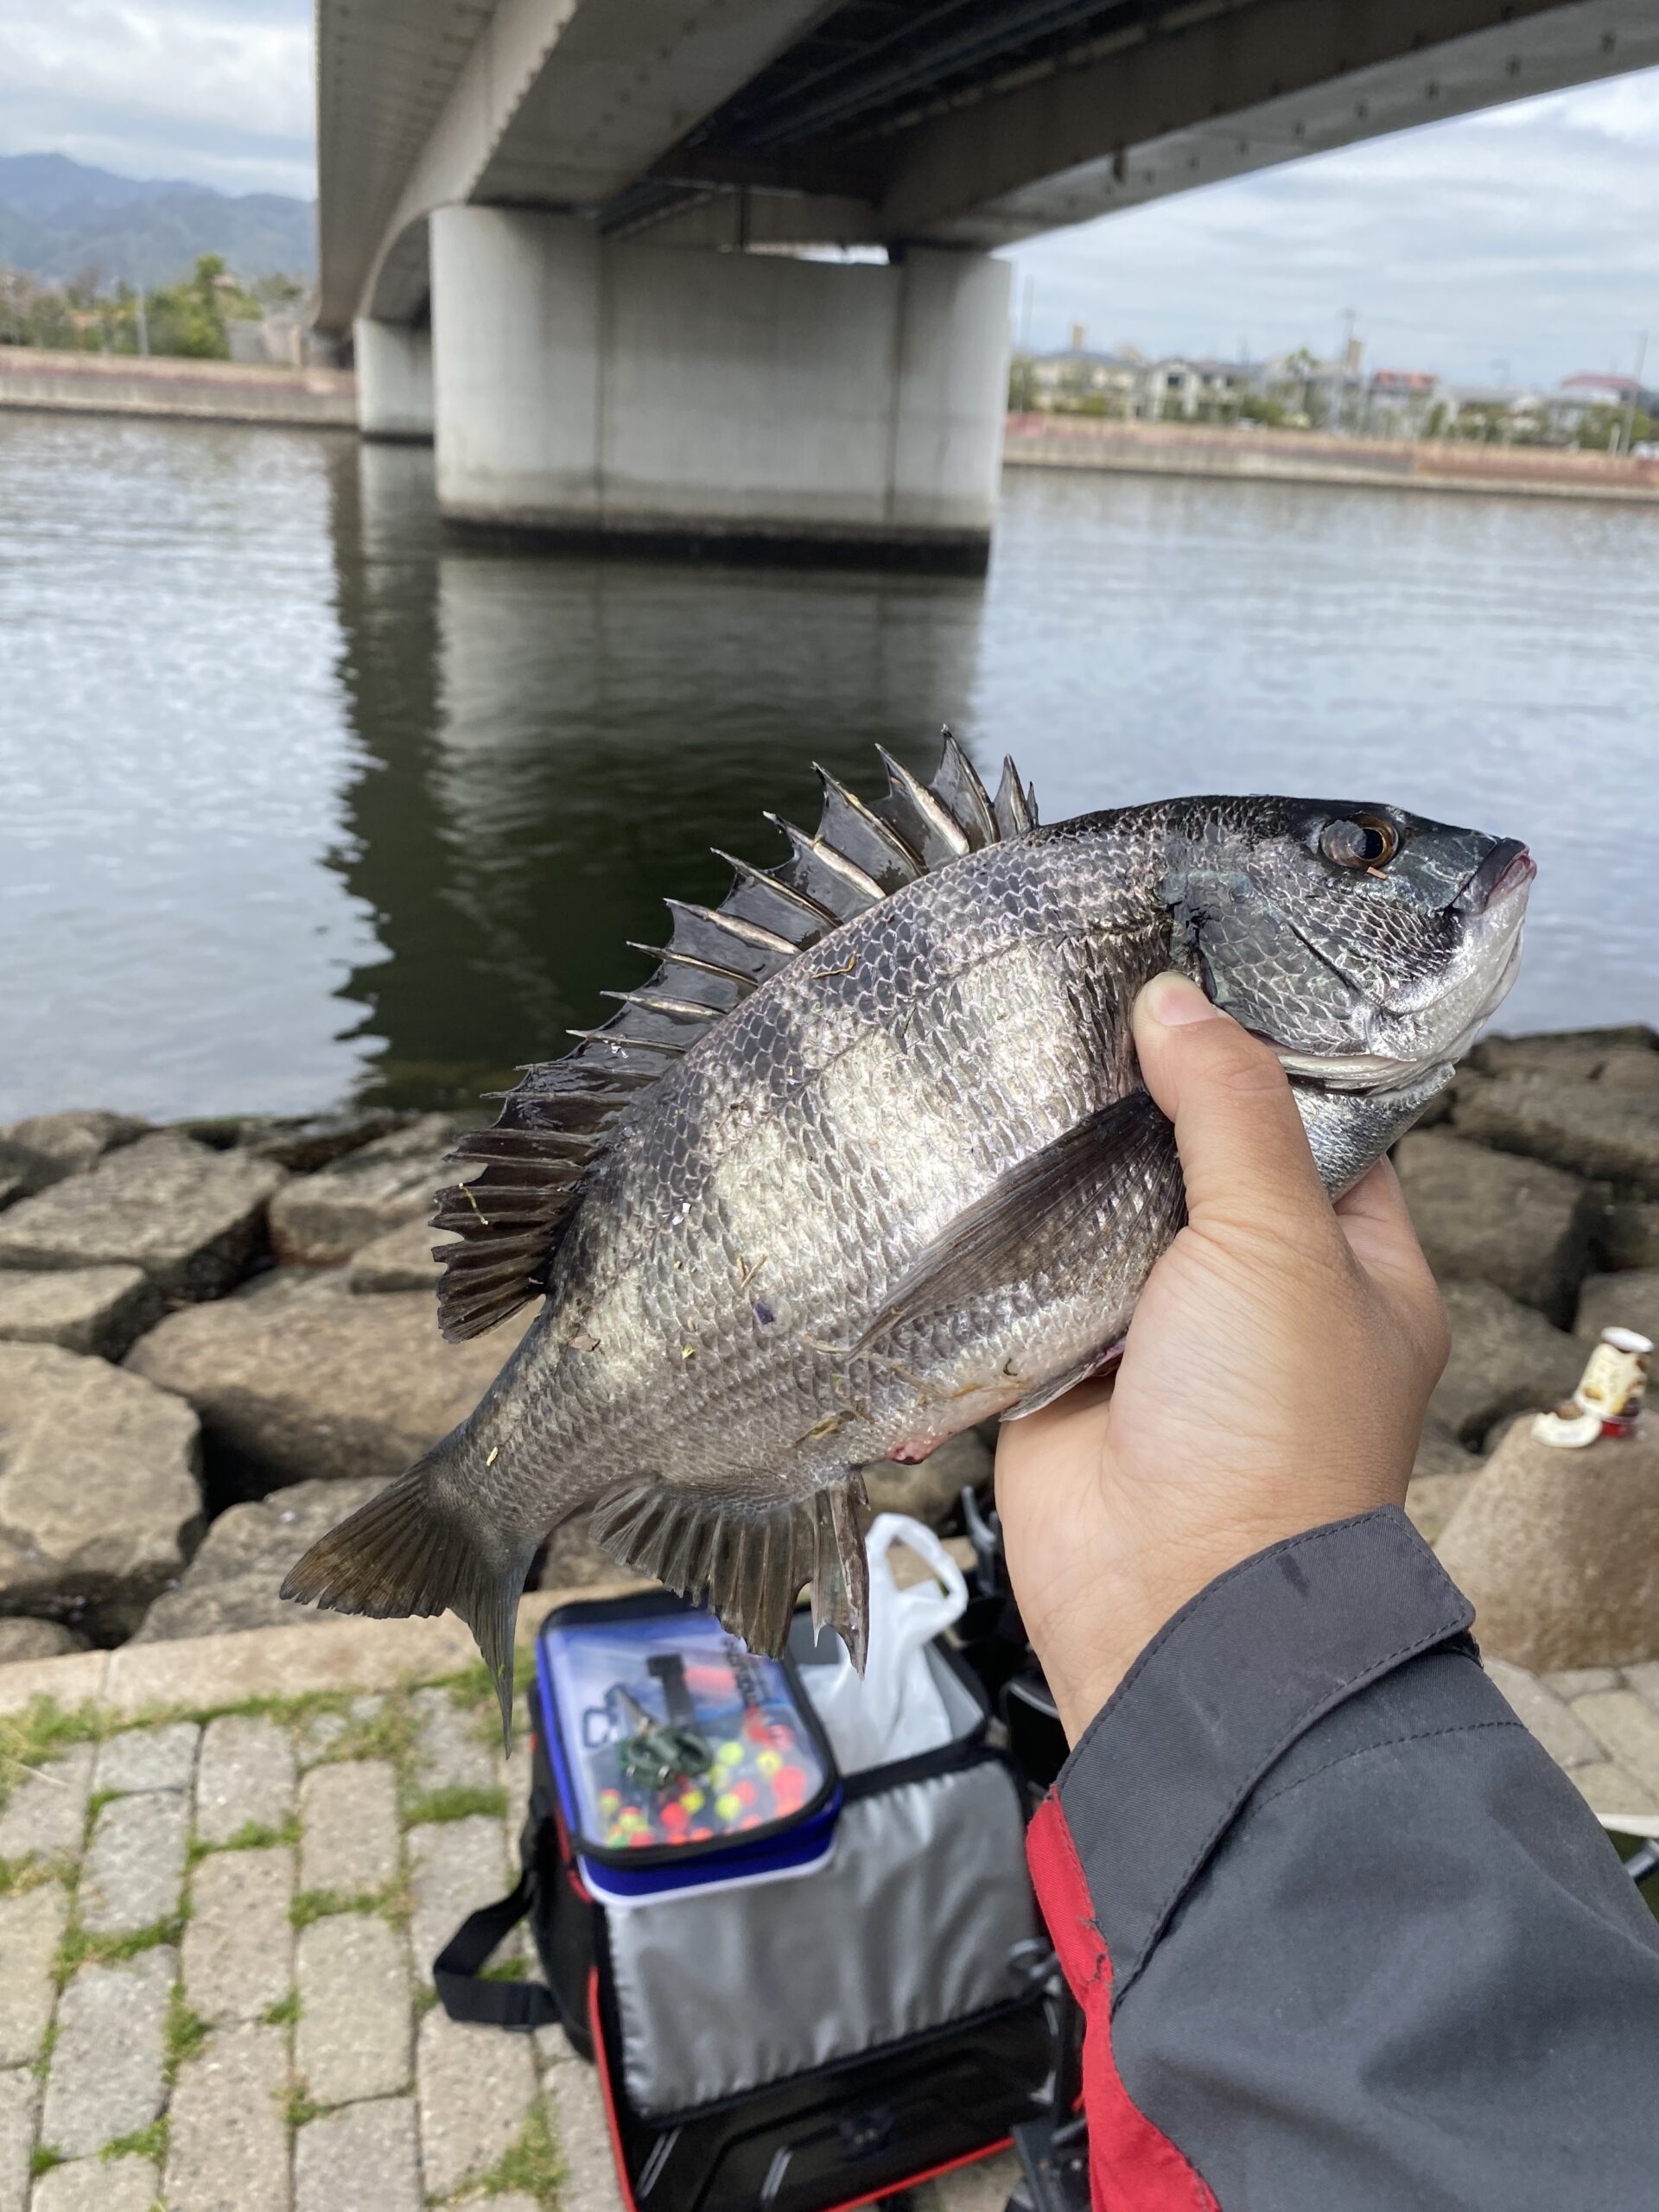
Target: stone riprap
[(1627, 1300), (98, 1310), (269, 2043), (306, 1381), (192, 1218), (323, 1220), (1536, 1193), (100, 1500)]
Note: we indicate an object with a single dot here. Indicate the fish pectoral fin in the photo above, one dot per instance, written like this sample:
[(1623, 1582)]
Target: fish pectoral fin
[(1119, 1159), (408, 1552), (748, 1562)]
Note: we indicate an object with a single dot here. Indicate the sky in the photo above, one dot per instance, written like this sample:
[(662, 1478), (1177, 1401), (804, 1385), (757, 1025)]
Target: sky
[(1516, 246)]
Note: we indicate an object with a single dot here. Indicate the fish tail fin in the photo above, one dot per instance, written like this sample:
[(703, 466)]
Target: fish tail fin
[(416, 1549)]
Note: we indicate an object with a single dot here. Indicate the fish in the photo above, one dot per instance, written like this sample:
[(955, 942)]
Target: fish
[(869, 1161)]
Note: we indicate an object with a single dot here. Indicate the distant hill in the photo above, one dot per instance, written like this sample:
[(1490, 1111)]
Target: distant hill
[(59, 218)]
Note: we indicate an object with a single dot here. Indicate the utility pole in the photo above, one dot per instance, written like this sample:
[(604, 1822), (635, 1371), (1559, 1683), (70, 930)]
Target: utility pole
[(1350, 317), (1635, 391)]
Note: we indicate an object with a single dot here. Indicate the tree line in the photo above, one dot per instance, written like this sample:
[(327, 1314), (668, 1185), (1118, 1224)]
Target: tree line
[(92, 315)]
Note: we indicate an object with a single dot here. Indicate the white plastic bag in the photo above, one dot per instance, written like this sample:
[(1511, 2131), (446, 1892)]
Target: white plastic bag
[(896, 1710)]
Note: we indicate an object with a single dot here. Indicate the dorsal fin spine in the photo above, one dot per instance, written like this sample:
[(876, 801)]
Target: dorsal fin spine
[(927, 803), (766, 881), (837, 864), (763, 940)]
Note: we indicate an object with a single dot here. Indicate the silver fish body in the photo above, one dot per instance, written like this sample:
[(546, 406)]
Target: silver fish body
[(911, 1178)]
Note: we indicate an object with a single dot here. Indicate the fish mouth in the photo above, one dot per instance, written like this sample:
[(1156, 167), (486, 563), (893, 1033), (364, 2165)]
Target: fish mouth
[(1507, 869)]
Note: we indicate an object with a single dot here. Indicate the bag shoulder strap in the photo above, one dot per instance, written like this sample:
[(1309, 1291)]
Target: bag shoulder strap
[(519, 2006)]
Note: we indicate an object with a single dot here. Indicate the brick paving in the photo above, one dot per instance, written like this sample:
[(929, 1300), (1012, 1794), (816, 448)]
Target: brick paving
[(218, 1928)]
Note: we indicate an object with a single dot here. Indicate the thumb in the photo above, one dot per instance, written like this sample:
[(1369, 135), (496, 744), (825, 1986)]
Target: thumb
[(1244, 1151)]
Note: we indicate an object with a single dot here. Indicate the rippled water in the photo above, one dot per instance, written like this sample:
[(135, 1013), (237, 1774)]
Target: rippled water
[(298, 803)]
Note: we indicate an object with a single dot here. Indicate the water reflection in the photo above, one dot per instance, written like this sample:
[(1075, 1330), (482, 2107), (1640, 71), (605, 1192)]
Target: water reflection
[(550, 745)]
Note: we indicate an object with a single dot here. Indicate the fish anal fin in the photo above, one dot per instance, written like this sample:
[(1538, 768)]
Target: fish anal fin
[(410, 1551), (748, 1562), (1121, 1154)]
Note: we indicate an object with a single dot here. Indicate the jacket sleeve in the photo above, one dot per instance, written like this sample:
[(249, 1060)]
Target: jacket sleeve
[(1342, 1934)]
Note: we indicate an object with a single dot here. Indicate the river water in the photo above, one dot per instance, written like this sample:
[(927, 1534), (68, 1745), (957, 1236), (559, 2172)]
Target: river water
[(299, 803)]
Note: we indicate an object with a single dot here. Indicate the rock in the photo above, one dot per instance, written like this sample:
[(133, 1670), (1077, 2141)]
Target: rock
[(83, 1309), (301, 1144), (1627, 1234), (1438, 1453), (1574, 1055), (1431, 1500), (929, 1491), (400, 1259), (29, 1639), (1585, 1127), (246, 1777), (232, 1581), (1630, 1300), (100, 1498), (316, 1383), (1498, 1218), (1505, 1358), (574, 1561), (190, 1218), (1631, 1072), (1558, 1552), (321, 1220), (48, 1147)]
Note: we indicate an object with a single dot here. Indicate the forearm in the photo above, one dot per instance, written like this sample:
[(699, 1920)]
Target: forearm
[(1343, 1933)]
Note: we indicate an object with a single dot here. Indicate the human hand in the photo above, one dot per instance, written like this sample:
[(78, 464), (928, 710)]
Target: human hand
[(1274, 1377)]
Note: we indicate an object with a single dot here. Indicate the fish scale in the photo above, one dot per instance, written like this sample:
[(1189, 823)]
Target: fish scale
[(869, 1159)]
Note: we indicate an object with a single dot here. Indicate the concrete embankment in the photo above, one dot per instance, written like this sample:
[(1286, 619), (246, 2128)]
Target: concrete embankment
[(219, 392), (1313, 457)]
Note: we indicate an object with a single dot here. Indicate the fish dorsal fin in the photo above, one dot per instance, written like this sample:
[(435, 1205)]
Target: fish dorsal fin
[(507, 1219), (745, 1562)]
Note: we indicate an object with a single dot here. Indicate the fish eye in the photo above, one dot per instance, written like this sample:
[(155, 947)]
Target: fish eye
[(1369, 841)]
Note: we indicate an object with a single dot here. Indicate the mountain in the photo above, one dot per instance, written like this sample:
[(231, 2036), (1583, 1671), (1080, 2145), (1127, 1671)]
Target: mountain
[(59, 218)]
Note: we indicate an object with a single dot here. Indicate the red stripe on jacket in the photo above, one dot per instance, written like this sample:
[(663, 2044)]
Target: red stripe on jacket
[(1132, 2167)]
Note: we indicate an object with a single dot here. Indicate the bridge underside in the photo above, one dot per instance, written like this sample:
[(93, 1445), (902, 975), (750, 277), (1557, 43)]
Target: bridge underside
[(753, 127)]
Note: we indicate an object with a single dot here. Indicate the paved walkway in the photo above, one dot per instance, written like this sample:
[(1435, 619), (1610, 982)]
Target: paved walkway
[(217, 1926)]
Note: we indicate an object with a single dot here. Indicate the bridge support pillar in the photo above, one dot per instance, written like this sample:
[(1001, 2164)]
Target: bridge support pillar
[(681, 400), (394, 380)]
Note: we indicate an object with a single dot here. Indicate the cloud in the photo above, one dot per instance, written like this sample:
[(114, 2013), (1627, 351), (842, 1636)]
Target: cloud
[(1519, 241), (217, 92)]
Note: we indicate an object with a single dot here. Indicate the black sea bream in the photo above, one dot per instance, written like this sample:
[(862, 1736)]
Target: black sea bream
[(869, 1159)]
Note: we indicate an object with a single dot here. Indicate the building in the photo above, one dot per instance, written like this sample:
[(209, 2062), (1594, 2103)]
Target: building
[(1400, 403)]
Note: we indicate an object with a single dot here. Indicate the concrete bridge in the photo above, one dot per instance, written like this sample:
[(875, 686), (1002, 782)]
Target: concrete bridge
[(570, 236)]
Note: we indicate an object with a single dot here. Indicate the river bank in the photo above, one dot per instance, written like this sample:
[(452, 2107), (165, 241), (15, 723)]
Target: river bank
[(222, 392), (217, 1336), (1043, 440)]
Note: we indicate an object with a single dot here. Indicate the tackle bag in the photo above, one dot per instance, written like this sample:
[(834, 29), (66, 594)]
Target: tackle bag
[(816, 2001)]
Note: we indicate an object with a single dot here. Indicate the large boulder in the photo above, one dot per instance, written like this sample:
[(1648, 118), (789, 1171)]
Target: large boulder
[(296, 1380), (1592, 1129), (1505, 1358), (1494, 1218), (83, 1309), (1572, 1055), (45, 1147), (321, 1220), (400, 1259), (1627, 1233), (301, 1144), (232, 1581), (1558, 1552), (1630, 1300), (190, 1218), (1630, 1071), (100, 1501), (21, 1637)]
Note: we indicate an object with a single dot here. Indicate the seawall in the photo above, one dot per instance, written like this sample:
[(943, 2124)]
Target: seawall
[(1038, 441), (219, 392)]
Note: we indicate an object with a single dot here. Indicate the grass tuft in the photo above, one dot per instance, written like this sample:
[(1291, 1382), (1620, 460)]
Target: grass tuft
[(143, 2143), (42, 2159), (187, 2032), (506, 1970), (392, 1901), (30, 1738), (33, 1872), (458, 1801), (284, 2014), (82, 1947), (251, 1836), (532, 2167), (299, 2105)]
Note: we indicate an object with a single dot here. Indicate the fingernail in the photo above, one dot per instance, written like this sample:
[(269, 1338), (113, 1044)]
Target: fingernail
[(1174, 1001)]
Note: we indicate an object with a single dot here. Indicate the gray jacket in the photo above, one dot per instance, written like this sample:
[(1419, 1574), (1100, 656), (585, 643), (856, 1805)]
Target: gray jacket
[(1346, 1937)]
